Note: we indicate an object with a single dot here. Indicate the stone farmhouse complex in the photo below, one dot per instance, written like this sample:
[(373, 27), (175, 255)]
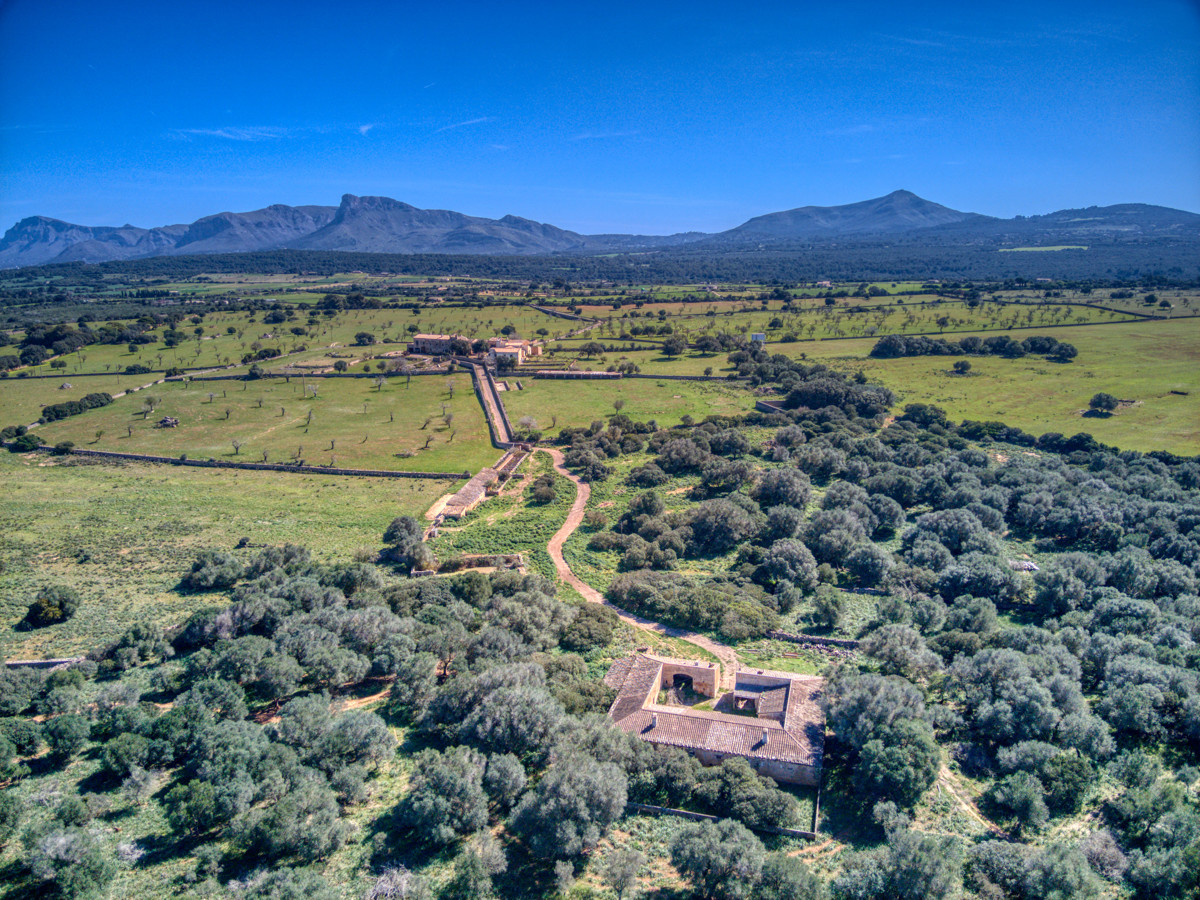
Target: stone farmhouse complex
[(774, 719), (433, 344), (513, 350)]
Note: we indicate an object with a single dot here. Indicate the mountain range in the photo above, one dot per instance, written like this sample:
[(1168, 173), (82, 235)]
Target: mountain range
[(383, 225)]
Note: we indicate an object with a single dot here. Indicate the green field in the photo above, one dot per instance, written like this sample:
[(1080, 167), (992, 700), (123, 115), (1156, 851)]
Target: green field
[(122, 535), (1039, 249), (369, 428), (559, 404), (1142, 362), (22, 399)]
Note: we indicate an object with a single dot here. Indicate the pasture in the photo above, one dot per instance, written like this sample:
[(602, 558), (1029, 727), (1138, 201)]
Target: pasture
[(557, 404), (123, 534), (1150, 365), (22, 399), (346, 422)]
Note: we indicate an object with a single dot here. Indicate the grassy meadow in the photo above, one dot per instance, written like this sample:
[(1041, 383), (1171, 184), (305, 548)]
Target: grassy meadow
[(559, 404), (1140, 362), (353, 424), (122, 535)]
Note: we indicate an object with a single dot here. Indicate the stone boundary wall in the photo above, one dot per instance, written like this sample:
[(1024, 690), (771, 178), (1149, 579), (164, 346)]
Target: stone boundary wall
[(560, 314), (500, 441), (267, 467), (812, 639), (65, 376), (686, 377), (702, 817), (44, 663), (267, 375), (769, 406), (577, 376), (612, 376), (491, 386)]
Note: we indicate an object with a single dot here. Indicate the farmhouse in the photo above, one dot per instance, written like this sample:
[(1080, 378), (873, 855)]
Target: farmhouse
[(433, 344), (516, 350), (774, 720)]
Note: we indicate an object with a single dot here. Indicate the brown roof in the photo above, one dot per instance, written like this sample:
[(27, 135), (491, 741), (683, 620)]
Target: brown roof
[(789, 715), (772, 702)]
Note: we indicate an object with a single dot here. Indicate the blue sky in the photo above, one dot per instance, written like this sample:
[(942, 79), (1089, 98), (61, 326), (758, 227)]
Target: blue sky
[(646, 117)]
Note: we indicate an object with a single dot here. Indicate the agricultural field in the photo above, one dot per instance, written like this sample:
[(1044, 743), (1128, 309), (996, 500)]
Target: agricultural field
[(557, 404), (1142, 363), (123, 534), (428, 424), (22, 399)]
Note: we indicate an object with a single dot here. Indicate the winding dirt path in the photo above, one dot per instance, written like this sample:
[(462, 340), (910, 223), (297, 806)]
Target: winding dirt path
[(947, 780), (727, 656)]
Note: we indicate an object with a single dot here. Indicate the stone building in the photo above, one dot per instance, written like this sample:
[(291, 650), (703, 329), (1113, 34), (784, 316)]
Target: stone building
[(432, 344), (773, 720)]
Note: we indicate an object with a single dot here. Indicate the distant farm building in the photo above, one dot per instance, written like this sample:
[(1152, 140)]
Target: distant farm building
[(515, 350), (432, 344), (758, 338), (784, 738)]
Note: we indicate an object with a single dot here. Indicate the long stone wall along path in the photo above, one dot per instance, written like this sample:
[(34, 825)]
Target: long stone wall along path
[(727, 656)]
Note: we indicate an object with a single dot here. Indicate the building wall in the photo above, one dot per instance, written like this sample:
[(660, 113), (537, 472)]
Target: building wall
[(783, 772), (704, 676), (748, 676)]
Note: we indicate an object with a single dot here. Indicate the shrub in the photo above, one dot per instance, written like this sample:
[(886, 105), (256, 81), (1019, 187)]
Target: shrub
[(52, 605), (212, 569)]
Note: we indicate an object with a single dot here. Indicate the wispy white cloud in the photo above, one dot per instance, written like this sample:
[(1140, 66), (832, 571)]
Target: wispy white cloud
[(879, 126), (851, 130), (602, 135), (236, 133), (478, 121), (363, 129), (501, 147)]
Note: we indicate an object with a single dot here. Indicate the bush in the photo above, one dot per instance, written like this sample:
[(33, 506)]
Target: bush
[(213, 569), (592, 627), (25, 443), (570, 808), (722, 860), (53, 604)]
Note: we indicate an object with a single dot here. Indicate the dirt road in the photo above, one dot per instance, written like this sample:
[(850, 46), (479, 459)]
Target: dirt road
[(727, 656)]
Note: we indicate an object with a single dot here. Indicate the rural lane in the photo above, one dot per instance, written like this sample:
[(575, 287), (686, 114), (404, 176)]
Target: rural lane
[(727, 656)]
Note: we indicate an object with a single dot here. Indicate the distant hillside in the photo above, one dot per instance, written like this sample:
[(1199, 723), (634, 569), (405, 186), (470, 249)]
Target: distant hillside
[(897, 212), (383, 225)]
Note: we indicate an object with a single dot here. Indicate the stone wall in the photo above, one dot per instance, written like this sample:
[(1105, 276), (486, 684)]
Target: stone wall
[(268, 467)]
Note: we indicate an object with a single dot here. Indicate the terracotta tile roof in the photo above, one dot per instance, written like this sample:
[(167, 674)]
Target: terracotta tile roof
[(789, 716), (772, 702), (615, 676), (639, 689)]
